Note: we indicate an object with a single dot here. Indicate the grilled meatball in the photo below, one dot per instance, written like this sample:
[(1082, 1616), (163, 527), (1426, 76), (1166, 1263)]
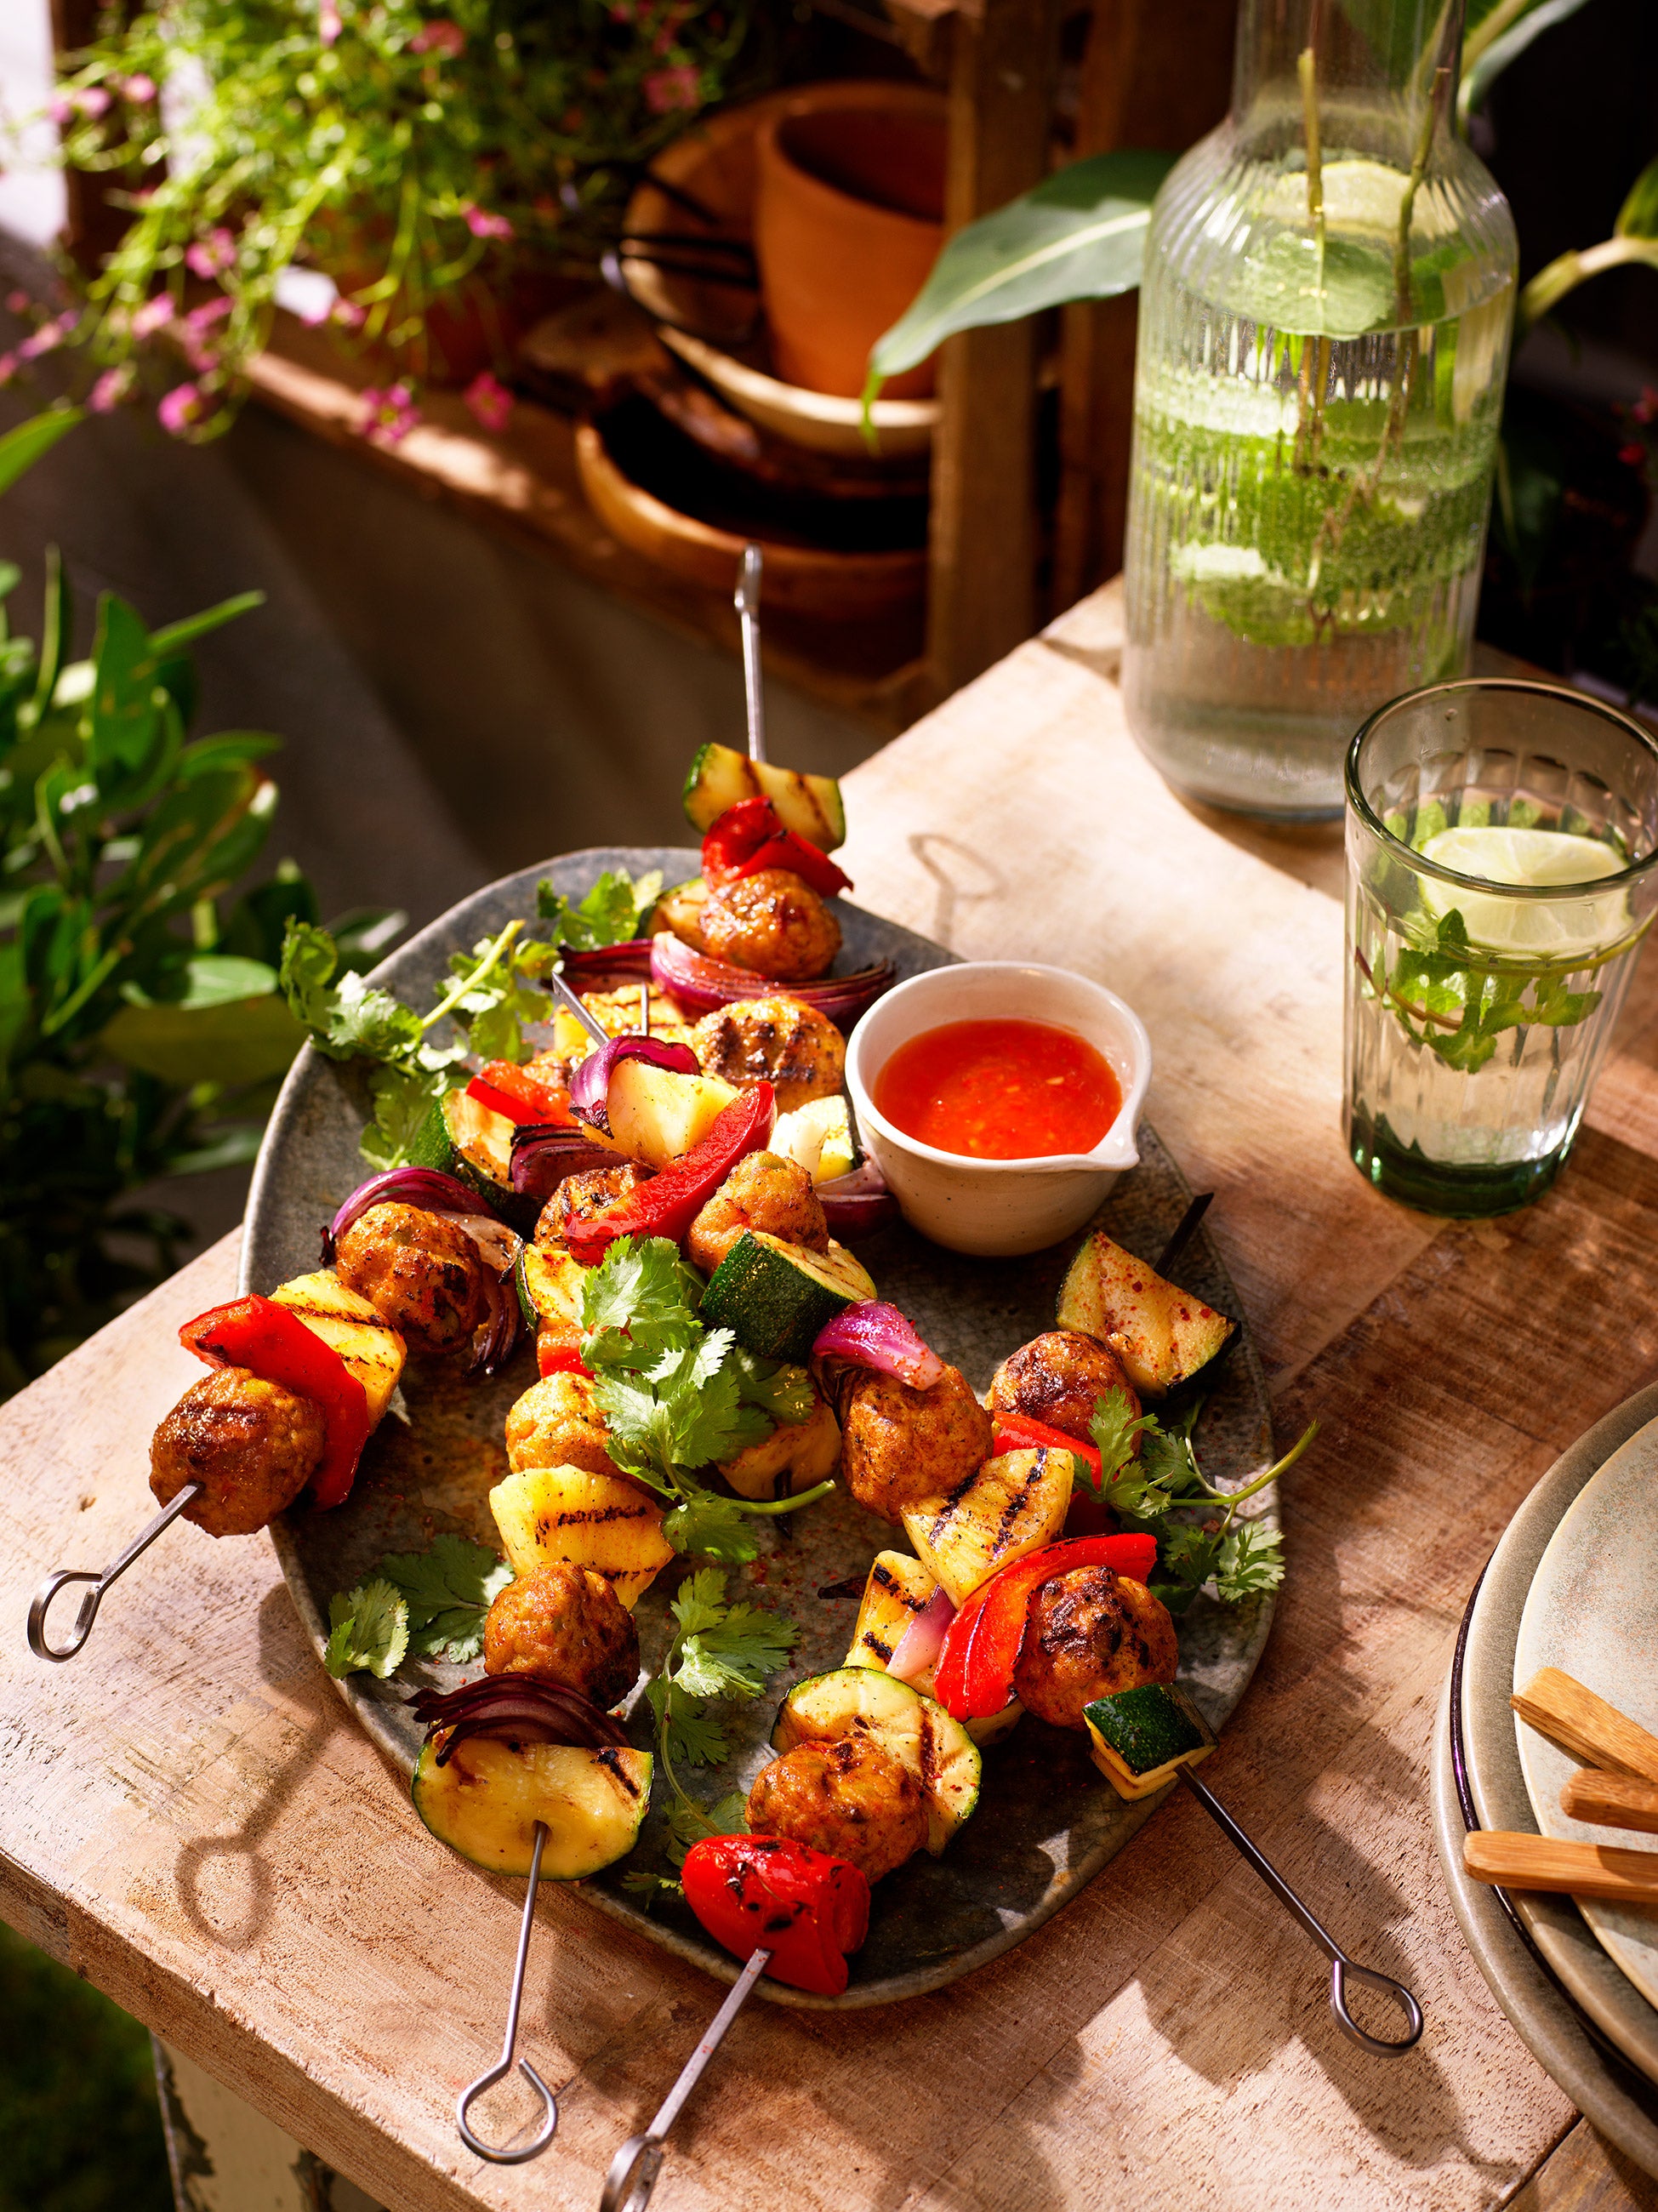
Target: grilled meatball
[(1057, 1378), (1087, 1633), (564, 1623), (851, 1798), (253, 1443), (764, 1191), (783, 1042), (773, 923), (556, 1424), (579, 1197), (419, 1272), (899, 1444)]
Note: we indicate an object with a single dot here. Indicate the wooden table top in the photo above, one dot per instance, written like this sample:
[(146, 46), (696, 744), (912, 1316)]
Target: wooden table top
[(192, 1819)]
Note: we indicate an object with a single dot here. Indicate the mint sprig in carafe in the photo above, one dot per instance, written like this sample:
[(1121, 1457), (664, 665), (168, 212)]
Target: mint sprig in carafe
[(1324, 327)]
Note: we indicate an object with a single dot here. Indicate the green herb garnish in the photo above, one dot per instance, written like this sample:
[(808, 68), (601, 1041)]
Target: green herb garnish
[(1158, 1492), (429, 1605), (718, 1651), (368, 1630)]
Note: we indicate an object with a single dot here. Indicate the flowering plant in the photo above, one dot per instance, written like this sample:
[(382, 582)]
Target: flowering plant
[(409, 153)]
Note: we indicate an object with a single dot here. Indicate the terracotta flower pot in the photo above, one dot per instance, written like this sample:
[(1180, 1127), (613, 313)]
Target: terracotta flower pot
[(848, 222)]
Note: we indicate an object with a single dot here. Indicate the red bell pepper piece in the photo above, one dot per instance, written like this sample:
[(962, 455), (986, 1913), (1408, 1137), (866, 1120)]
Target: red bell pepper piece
[(808, 1909), (974, 1674), (558, 1349), (748, 836), (667, 1205), (1018, 1432), (275, 1345), (506, 1088)]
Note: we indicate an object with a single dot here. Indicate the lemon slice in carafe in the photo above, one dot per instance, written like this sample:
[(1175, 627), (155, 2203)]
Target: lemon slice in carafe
[(1529, 929)]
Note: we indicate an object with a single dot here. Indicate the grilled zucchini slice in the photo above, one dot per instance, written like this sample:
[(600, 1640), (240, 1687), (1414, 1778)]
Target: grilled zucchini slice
[(348, 1324), (720, 777), (474, 1144), (918, 1732), (485, 1801), (550, 1285), (1138, 1738), (1009, 1506), (603, 1522), (1164, 1336), (776, 1298)]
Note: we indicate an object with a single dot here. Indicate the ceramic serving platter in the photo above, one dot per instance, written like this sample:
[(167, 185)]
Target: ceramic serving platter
[(1604, 2082), (1047, 1822), (1592, 1611)]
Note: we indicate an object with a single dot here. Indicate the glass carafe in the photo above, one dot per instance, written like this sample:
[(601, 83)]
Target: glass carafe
[(1324, 327)]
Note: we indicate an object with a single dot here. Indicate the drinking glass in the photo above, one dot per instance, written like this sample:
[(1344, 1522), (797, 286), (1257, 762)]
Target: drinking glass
[(1501, 873)]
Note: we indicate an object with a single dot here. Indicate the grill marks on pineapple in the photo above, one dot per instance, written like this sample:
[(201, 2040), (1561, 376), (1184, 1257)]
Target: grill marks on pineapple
[(593, 1517), (1019, 1502)]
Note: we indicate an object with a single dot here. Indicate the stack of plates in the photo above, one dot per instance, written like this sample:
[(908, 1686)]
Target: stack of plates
[(1573, 1584)]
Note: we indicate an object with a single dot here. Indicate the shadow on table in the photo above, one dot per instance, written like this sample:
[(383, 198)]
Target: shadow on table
[(224, 1884)]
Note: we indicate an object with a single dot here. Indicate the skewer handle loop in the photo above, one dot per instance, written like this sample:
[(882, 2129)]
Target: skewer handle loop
[(1342, 1970), (503, 2065), (94, 1597)]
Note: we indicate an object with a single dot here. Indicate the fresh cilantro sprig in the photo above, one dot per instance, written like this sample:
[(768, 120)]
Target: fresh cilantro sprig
[(614, 912), (1158, 1489), (676, 1397), (367, 1630), (426, 1605), (717, 1651)]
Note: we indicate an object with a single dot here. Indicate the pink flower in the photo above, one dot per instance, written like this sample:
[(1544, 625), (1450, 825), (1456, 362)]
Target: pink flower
[(491, 401), (348, 313), (388, 417), (110, 389), (140, 89), (46, 339), (90, 100), (8, 368), (669, 89), (482, 224), (182, 410), (442, 37), (211, 257), (1634, 456), (211, 311), (154, 315), (328, 20)]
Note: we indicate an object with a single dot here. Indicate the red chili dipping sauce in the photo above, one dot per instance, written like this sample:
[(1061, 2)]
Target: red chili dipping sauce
[(999, 1090)]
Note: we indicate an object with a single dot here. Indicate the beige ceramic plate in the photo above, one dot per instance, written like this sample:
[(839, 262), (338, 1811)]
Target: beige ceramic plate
[(1593, 1611)]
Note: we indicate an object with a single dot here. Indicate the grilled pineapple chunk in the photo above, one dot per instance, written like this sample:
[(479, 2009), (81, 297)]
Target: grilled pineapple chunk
[(657, 1114), (546, 1514), (897, 1589), (1012, 1505), (348, 1325), (804, 1452)]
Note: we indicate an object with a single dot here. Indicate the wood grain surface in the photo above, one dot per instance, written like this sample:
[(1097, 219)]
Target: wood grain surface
[(191, 1821)]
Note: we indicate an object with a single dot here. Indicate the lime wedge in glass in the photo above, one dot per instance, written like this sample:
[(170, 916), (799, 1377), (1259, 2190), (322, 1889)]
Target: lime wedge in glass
[(1527, 929)]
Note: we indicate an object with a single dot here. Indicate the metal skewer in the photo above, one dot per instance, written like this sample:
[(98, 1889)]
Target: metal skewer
[(1342, 1968), (589, 1022), (633, 2169), (544, 2133), (94, 1597), (748, 607)]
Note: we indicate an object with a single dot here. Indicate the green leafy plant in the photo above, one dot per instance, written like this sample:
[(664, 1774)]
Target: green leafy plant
[(1161, 1490), (424, 157), (141, 1032)]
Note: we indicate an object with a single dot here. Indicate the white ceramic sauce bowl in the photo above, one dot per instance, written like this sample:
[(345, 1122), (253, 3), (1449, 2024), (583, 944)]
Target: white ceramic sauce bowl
[(998, 1208)]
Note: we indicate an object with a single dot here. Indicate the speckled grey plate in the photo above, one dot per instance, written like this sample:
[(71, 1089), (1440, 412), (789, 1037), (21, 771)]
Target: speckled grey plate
[(1579, 2015), (1047, 1822), (1592, 1610)]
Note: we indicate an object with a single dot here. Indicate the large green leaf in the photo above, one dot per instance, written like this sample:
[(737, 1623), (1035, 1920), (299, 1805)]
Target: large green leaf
[(234, 1042), (1078, 235), (1498, 32), (21, 448)]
